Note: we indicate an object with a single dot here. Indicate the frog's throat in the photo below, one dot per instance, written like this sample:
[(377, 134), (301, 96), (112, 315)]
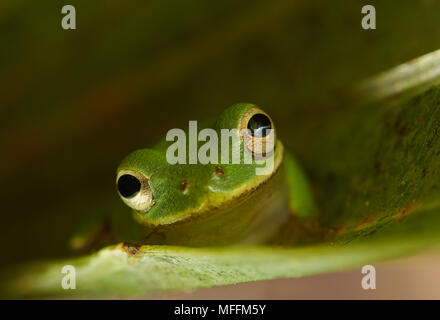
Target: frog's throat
[(214, 201)]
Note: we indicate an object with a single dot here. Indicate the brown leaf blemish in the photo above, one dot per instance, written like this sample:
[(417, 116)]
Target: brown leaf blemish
[(406, 210), (340, 229), (184, 186), (365, 223)]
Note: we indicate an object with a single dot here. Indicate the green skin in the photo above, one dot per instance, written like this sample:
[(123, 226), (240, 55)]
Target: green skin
[(221, 204)]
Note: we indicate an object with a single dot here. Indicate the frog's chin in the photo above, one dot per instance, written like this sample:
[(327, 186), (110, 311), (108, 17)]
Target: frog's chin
[(215, 201)]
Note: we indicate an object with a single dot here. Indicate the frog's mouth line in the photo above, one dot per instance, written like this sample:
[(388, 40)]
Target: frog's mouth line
[(212, 205)]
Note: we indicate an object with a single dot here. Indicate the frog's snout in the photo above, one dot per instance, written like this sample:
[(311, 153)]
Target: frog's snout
[(134, 189)]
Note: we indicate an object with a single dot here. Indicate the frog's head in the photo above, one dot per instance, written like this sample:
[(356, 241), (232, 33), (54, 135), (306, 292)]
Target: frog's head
[(162, 193)]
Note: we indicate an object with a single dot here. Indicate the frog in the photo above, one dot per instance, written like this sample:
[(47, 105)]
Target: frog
[(220, 203)]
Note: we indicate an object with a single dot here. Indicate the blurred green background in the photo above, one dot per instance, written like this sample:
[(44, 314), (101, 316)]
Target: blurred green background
[(73, 103)]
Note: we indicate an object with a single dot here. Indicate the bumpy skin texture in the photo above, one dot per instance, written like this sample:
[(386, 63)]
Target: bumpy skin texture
[(219, 204)]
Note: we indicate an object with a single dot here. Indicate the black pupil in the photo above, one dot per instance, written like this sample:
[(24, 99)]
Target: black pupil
[(259, 124), (128, 186)]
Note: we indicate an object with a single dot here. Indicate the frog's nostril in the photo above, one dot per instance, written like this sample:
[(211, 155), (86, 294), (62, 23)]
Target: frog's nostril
[(128, 186)]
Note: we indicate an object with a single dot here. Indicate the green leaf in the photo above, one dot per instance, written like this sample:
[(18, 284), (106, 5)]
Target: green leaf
[(378, 192)]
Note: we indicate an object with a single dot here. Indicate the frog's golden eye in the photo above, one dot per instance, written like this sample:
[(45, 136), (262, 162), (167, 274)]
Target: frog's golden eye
[(257, 131), (134, 189)]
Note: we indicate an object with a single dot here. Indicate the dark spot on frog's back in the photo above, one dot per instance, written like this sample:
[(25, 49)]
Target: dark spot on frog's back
[(184, 186), (219, 171)]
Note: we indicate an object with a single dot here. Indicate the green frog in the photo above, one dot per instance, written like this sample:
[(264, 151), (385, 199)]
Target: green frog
[(229, 201)]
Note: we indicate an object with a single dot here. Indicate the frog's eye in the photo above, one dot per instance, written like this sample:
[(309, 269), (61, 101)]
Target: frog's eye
[(134, 189), (259, 125), (257, 131)]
